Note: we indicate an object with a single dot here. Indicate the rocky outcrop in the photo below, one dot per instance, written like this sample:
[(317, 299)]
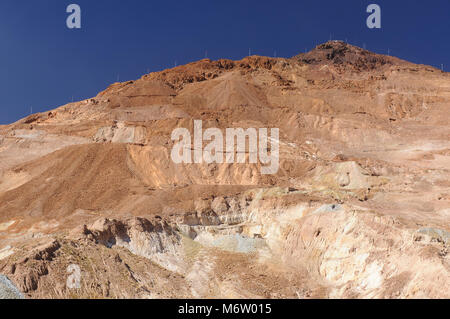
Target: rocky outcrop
[(120, 133), (8, 290), (156, 240)]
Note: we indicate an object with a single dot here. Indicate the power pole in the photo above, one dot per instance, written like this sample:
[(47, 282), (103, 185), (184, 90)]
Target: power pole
[(249, 52), (206, 54), (442, 67)]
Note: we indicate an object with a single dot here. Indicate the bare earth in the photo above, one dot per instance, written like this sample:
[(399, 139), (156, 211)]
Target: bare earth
[(360, 207)]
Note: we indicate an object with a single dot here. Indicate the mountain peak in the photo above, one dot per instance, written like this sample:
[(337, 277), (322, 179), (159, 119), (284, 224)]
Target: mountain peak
[(341, 53)]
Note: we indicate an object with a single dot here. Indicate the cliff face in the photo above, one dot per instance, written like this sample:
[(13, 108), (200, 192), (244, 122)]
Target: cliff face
[(360, 206)]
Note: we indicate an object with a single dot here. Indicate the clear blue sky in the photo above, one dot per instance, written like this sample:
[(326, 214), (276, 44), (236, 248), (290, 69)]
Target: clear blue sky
[(43, 63)]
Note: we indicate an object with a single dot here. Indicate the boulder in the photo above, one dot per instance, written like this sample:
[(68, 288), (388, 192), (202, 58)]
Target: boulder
[(8, 290)]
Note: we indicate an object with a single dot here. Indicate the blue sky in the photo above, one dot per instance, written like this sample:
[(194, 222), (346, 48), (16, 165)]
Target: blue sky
[(43, 63)]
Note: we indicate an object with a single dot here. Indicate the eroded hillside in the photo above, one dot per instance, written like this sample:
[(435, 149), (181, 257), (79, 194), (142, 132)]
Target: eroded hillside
[(359, 208)]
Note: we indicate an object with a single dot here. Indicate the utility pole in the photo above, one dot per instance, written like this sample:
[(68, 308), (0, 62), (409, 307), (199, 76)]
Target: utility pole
[(442, 67), (206, 54), (118, 77), (31, 110), (389, 51), (249, 52), (275, 54)]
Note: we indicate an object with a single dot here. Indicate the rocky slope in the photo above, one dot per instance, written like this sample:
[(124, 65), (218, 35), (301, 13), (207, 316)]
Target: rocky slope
[(360, 207)]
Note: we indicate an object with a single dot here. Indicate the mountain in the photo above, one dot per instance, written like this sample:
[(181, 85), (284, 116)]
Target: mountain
[(359, 207)]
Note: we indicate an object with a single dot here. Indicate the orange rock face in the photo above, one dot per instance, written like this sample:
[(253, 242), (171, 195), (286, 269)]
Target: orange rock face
[(359, 208)]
